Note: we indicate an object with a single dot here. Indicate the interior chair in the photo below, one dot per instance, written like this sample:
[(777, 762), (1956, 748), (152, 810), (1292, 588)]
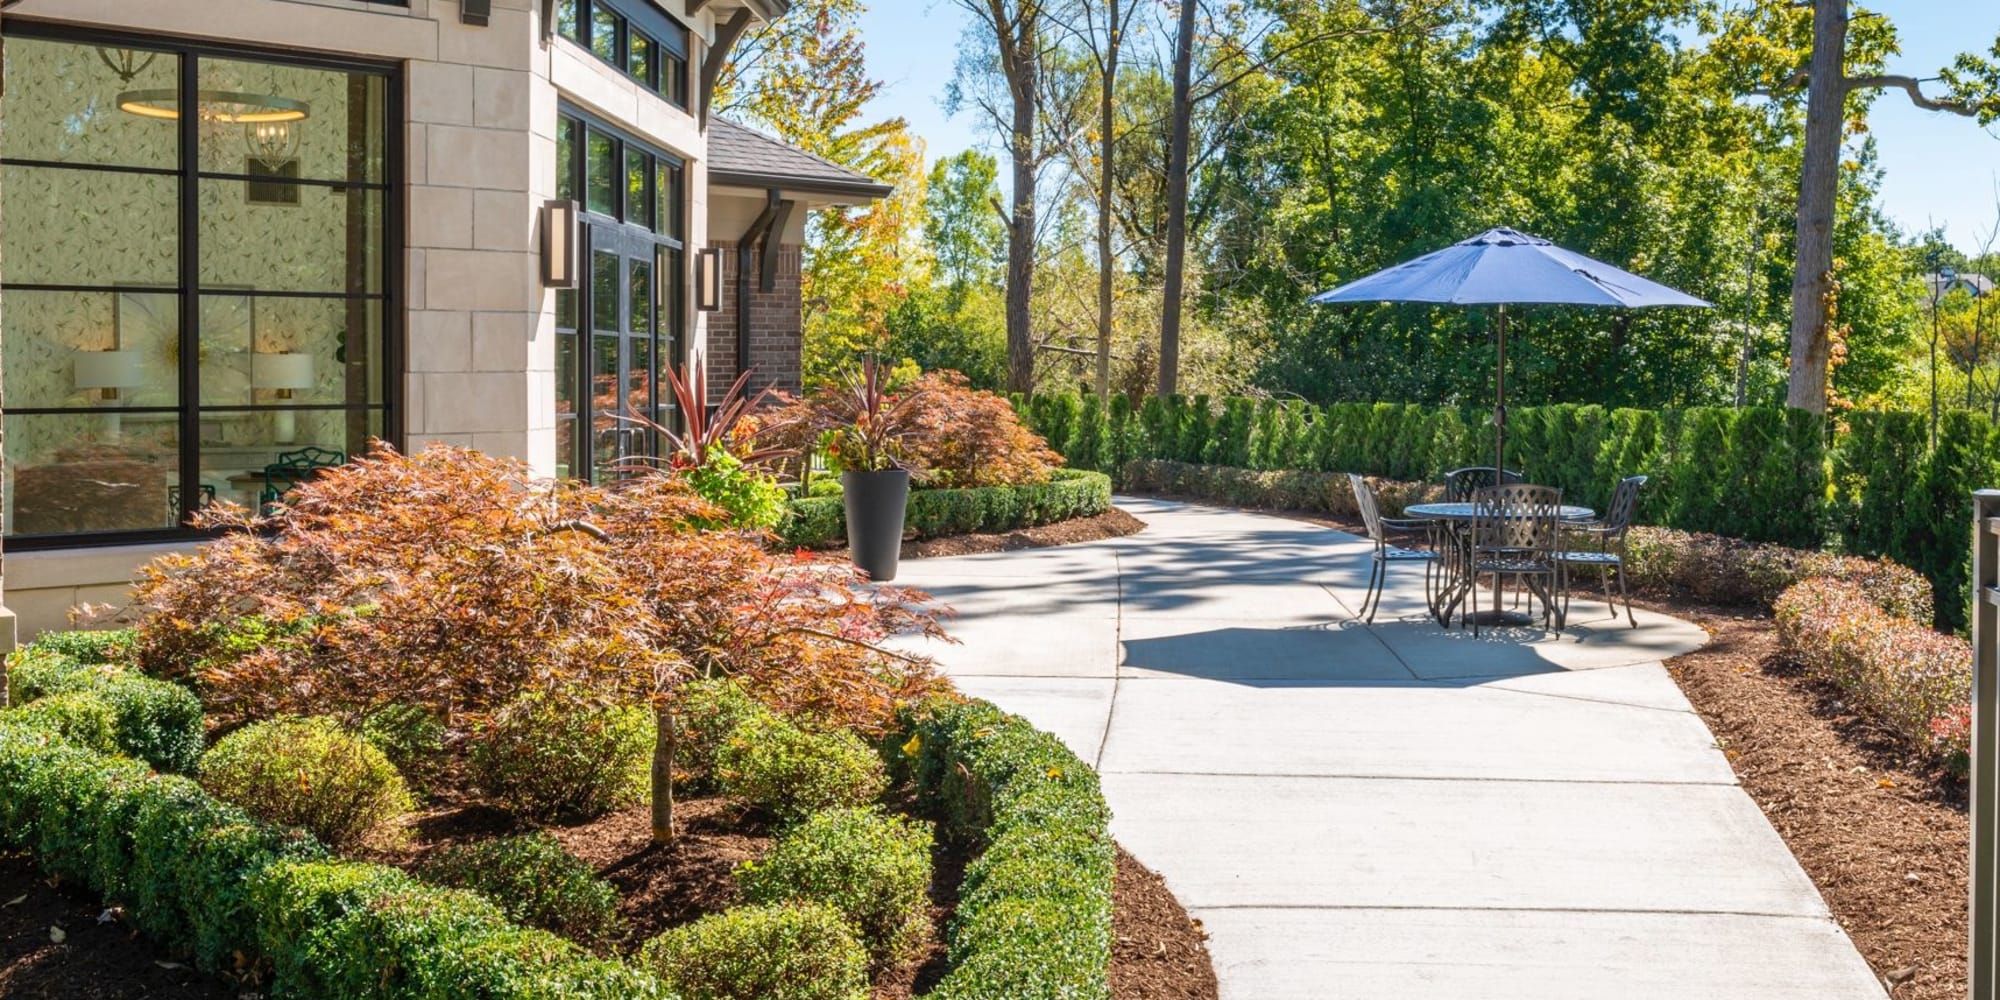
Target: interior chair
[(1380, 530), (1606, 538), (1517, 533)]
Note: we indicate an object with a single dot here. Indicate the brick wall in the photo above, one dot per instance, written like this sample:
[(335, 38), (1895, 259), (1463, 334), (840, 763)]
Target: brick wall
[(775, 316)]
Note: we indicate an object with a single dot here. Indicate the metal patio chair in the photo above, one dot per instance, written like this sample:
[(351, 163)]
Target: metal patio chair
[(1608, 536), (1380, 530), (1517, 532), (1461, 484)]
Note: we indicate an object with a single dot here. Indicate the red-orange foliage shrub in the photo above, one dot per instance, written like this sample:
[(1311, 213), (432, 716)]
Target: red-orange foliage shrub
[(945, 432), (453, 580)]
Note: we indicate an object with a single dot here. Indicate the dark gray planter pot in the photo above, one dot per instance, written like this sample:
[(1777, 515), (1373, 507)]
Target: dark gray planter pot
[(875, 503)]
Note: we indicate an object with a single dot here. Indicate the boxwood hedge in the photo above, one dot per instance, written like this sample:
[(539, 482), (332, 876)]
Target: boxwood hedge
[(817, 521), (102, 705), (1034, 912)]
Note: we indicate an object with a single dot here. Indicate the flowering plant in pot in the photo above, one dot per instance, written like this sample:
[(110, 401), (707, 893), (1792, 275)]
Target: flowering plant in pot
[(719, 450)]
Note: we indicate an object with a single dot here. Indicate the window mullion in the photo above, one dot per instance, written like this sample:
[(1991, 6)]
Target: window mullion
[(189, 368)]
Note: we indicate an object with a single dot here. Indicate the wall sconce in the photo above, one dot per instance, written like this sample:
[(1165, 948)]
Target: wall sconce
[(708, 279), (108, 372), (282, 373), (559, 244)]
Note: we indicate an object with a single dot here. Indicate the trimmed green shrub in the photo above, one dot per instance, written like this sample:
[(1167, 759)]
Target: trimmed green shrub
[(412, 737), (546, 760), (1288, 489), (794, 951), (1730, 571), (935, 513), (155, 721), (708, 712), (1034, 916), (296, 902), (191, 861), (421, 943), (536, 883), (81, 717), (873, 867), (310, 773), (773, 765), (1910, 678), (1085, 447), (99, 646)]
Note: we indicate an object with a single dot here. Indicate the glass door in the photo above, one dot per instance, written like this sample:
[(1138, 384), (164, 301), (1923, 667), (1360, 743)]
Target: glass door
[(622, 359)]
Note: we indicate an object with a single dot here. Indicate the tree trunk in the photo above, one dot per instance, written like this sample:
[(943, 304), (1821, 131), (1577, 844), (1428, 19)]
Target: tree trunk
[(665, 740), (1021, 67), (1819, 180), (1177, 198), (1106, 146)]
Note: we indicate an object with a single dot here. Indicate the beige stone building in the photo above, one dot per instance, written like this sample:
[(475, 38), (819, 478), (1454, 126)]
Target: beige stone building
[(239, 238)]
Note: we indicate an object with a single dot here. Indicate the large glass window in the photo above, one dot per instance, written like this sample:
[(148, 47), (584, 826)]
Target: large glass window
[(621, 325), (634, 36), (196, 303)]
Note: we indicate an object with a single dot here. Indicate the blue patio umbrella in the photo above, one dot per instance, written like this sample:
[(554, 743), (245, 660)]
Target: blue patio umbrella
[(1499, 268)]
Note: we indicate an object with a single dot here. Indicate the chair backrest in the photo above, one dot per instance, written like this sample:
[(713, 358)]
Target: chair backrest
[(1364, 498), (1461, 484), (1624, 503), (1517, 517)]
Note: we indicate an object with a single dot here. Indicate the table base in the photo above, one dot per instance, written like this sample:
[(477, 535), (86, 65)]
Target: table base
[(1495, 618)]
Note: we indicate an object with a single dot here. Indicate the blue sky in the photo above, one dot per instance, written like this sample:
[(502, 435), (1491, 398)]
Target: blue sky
[(1939, 169)]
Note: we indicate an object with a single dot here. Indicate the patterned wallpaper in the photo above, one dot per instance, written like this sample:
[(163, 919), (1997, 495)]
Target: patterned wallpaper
[(112, 229)]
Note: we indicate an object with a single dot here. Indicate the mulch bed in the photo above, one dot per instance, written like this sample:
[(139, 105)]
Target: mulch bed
[(1883, 833), (1158, 952), (95, 960), (1113, 523)]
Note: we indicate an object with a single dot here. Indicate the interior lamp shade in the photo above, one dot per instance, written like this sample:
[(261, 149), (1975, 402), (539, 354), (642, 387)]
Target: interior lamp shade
[(281, 371), (108, 370)]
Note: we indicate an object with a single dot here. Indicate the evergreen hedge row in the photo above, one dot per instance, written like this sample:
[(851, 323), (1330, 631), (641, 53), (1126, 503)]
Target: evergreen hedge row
[(820, 521), (1034, 913), (1868, 482)]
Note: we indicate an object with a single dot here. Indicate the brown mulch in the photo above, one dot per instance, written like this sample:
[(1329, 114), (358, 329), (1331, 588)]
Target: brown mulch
[(1882, 833), (1113, 523), (1158, 952), (93, 961)]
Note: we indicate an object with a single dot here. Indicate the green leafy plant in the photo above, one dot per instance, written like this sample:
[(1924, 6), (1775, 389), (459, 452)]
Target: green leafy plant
[(310, 773), (793, 951), (774, 765), (753, 499), (155, 721), (551, 758), (537, 883), (710, 711), (875, 868), (934, 513), (413, 738), (81, 717)]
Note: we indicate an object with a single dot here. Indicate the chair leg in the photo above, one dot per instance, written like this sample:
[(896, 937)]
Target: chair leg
[(1374, 596), (1626, 596)]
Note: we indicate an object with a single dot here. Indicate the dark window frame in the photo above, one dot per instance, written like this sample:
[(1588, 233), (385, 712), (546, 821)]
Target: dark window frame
[(189, 286), (669, 39)]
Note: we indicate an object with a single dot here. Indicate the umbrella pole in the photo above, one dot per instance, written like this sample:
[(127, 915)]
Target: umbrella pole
[(1500, 403)]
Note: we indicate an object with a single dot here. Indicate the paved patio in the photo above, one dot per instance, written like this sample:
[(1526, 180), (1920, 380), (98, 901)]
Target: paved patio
[(1399, 812)]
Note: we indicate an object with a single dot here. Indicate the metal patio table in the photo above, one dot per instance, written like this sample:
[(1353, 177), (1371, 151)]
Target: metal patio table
[(1455, 521)]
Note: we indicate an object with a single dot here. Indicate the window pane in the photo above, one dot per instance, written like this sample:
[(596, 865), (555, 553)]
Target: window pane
[(264, 115), (600, 171), (667, 212), (640, 281), (324, 240), (565, 447), (91, 349), (268, 351), (638, 207), (566, 375), (89, 227), (566, 309), (639, 400), (639, 61), (63, 104), (251, 456), (105, 471), (567, 23), (674, 79), (566, 131), (604, 392), (604, 27), (604, 291)]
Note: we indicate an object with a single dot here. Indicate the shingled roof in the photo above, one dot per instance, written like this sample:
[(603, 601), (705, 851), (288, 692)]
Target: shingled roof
[(739, 156)]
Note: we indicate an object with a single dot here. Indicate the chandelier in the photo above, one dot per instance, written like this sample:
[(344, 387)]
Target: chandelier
[(272, 125)]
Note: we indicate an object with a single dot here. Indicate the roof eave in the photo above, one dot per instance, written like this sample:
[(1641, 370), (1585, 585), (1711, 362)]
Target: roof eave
[(864, 190)]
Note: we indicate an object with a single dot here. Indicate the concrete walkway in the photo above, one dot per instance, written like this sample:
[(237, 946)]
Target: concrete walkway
[(1398, 811)]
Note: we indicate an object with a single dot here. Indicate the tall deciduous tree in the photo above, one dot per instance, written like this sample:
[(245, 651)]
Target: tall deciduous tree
[(1839, 61), (966, 237), (1101, 26), (1011, 70), (1177, 196)]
